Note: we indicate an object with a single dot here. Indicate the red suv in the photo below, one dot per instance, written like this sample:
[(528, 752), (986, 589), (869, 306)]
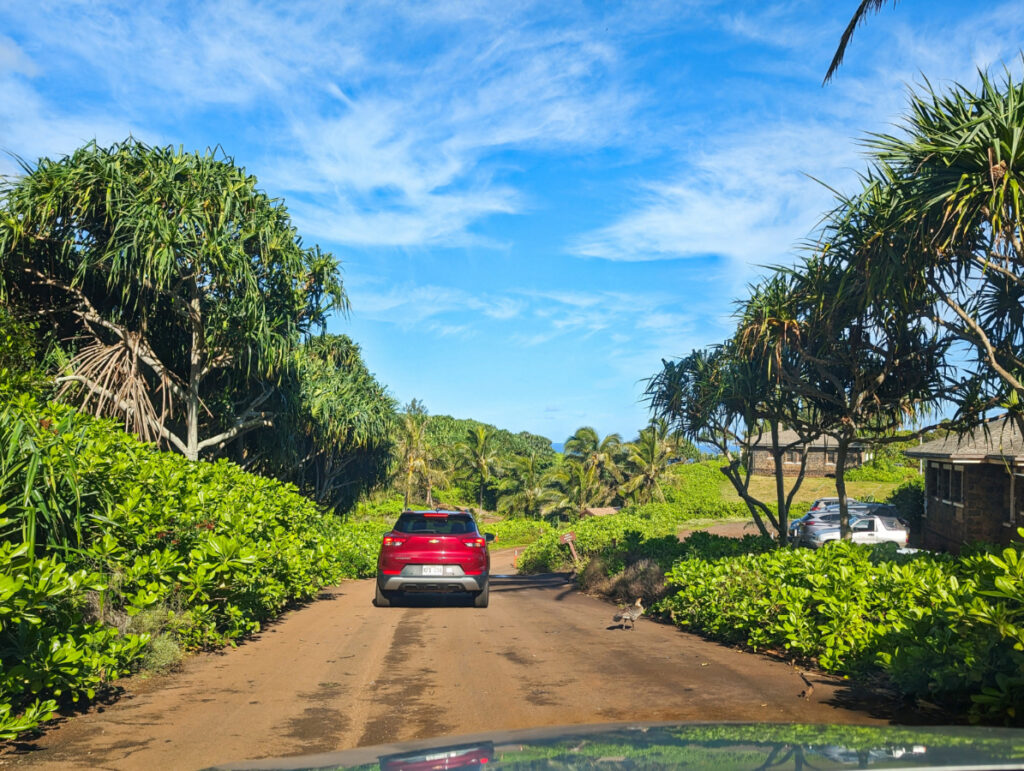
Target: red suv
[(434, 551)]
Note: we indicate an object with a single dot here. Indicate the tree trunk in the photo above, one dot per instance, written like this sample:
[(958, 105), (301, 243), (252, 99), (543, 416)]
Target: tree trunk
[(194, 379), (192, 425), (780, 487), (844, 509), (753, 505)]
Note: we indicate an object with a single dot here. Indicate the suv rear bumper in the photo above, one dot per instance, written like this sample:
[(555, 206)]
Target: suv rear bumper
[(432, 583)]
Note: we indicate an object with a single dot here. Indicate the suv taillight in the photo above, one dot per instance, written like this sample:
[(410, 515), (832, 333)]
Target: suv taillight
[(475, 543), (390, 540)]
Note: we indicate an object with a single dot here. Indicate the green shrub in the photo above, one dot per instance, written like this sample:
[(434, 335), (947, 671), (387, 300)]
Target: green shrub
[(939, 627), (887, 464), (516, 532), (47, 648), (100, 524), (694, 491), (870, 472), (908, 498), (382, 508)]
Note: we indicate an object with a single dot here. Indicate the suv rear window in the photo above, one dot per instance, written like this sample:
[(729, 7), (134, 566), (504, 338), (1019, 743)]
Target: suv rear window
[(453, 524)]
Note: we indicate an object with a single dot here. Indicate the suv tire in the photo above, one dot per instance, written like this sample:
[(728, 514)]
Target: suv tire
[(481, 599), (381, 599)]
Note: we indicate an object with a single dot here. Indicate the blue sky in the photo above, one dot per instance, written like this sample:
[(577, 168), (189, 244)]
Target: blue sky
[(534, 202)]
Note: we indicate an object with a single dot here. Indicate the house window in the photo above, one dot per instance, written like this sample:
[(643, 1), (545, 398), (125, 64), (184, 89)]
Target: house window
[(792, 456), (930, 481), (830, 457), (942, 484), (956, 485)]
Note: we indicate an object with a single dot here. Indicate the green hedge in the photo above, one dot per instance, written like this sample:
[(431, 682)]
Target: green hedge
[(617, 537), (204, 552), (940, 627), (946, 628), (516, 532)]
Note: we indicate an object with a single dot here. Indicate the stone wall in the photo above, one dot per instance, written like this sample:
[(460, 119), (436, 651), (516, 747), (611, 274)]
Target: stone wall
[(981, 514), (818, 464)]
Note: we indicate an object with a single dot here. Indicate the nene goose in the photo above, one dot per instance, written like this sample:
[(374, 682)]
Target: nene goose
[(630, 614)]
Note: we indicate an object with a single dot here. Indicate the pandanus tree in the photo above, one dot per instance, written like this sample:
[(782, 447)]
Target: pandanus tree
[(335, 431), (947, 206), (183, 287), (865, 366), (729, 397), (719, 398)]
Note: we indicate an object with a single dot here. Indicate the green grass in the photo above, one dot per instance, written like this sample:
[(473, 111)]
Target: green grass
[(706, 522), (763, 488)]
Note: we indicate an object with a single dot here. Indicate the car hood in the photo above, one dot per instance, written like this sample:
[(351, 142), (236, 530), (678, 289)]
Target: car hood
[(676, 745)]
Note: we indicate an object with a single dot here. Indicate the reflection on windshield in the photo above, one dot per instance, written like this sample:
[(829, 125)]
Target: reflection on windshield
[(731, 746), (458, 756)]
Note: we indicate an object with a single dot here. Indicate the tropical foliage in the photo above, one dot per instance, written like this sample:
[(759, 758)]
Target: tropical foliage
[(184, 287), (180, 299), (938, 627), (111, 546)]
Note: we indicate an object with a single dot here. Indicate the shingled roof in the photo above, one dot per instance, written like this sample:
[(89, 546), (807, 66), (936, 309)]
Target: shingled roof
[(996, 440), (789, 437)]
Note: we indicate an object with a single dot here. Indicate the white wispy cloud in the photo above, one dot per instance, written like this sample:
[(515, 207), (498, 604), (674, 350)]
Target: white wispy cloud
[(746, 197), (751, 194), (385, 121), (408, 305)]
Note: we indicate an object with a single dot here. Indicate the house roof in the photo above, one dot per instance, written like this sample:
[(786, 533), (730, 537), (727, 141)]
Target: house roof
[(996, 440), (790, 437), (599, 511)]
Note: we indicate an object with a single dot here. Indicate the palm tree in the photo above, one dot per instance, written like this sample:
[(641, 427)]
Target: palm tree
[(479, 456), (647, 461), (525, 490), (420, 466), (412, 451), (865, 7), (576, 487), (603, 455)]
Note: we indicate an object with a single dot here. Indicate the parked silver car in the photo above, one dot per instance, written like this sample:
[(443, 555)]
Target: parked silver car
[(868, 528), (829, 518), (823, 507)]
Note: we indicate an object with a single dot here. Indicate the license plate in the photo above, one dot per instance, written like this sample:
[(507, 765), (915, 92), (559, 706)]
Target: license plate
[(433, 570)]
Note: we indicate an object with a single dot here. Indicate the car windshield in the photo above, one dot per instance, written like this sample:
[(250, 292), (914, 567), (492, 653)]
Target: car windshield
[(435, 524), (371, 371)]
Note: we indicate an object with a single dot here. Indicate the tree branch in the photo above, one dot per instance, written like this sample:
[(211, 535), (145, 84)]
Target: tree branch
[(264, 419)]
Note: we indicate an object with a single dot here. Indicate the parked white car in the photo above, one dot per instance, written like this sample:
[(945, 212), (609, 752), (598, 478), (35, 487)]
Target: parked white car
[(869, 528)]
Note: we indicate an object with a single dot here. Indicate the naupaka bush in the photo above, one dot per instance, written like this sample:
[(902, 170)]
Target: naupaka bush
[(100, 529)]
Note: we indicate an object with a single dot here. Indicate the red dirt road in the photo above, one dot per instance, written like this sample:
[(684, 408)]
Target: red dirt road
[(340, 673)]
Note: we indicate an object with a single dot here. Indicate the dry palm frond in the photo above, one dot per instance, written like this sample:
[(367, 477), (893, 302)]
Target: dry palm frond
[(106, 380)]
